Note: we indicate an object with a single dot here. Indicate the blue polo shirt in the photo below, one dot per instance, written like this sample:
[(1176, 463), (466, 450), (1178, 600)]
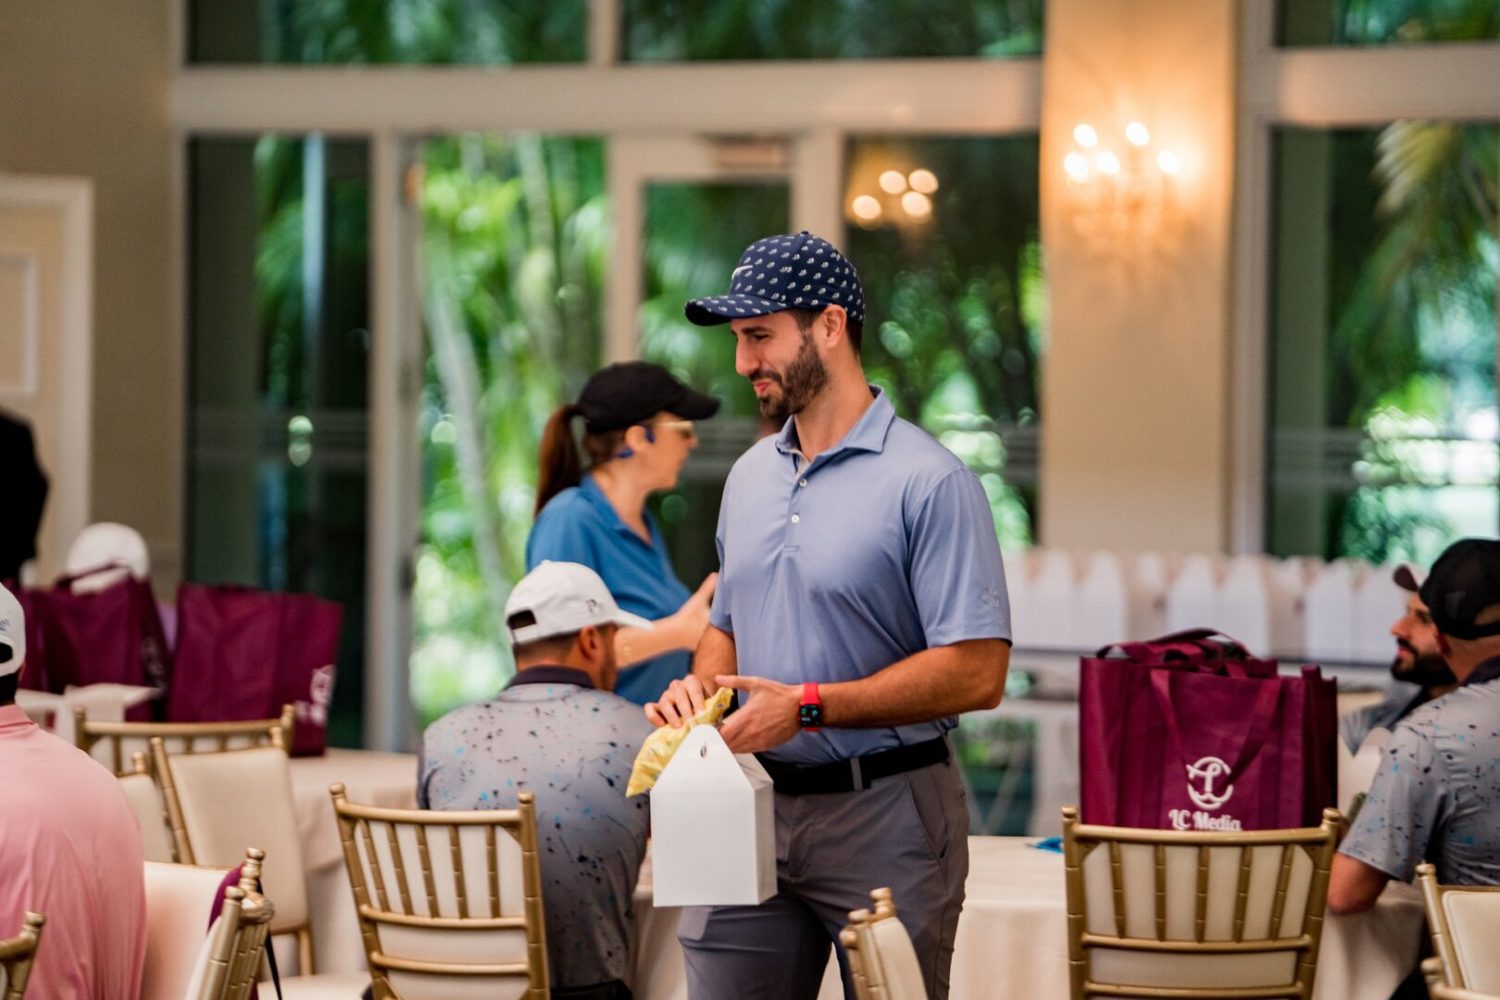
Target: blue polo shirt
[(832, 570), (579, 525)]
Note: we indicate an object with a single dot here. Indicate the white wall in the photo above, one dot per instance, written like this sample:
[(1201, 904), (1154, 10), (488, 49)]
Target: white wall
[(1135, 445), (85, 93)]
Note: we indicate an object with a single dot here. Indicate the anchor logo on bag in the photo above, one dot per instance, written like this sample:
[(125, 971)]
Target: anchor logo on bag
[(1202, 774)]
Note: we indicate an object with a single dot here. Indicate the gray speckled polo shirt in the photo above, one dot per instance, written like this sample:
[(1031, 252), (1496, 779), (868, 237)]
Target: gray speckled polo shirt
[(573, 747), (1436, 796)]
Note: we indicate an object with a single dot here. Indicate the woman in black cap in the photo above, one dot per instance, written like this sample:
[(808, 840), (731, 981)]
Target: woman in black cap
[(637, 431)]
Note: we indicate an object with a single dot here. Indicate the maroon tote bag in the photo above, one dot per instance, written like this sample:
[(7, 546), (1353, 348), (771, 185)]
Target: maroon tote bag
[(1198, 741), (244, 653), (110, 636)]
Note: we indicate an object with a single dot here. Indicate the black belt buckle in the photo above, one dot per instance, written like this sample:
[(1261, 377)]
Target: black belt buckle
[(855, 774)]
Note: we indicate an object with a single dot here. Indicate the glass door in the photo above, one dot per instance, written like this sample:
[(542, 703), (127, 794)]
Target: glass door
[(542, 259)]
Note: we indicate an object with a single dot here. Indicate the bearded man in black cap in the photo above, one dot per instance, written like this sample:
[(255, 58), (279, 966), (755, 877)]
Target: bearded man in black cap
[(1419, 661), (1434, 797)]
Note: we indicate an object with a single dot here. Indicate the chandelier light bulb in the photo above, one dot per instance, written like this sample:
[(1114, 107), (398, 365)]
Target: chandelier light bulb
[(892, 182), (923, 180), (916, 204), (866, 207), (1137, 134), (1169, 162), (1076, 166), (1108, 163), (1085, 136)]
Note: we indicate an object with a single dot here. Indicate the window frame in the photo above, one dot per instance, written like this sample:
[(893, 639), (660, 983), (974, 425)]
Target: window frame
[(1327, 87), (816, 105)]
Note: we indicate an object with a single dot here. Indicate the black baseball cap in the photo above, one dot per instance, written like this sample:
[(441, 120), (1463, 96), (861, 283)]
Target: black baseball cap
[(777, 273), (628, 393), (1463, 582)]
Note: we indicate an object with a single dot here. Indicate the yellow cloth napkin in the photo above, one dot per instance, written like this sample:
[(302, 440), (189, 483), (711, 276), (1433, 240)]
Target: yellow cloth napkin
[(659, 747)]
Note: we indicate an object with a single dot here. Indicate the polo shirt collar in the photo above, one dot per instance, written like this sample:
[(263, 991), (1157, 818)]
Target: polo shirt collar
[(13, 719), (589, 487), (1487, 671), (868, 433), (551, 674)]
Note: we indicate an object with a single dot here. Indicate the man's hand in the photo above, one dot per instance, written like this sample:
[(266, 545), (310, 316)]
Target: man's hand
[(767, 719), (683, 699)]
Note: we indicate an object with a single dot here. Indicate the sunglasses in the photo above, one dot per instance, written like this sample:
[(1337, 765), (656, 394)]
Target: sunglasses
[(684, 427)]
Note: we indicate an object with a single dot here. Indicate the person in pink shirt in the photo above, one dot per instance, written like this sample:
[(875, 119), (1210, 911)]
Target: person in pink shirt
[(70, 849)]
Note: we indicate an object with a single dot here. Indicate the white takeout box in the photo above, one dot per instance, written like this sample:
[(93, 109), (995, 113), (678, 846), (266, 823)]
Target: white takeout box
[(713, 827)]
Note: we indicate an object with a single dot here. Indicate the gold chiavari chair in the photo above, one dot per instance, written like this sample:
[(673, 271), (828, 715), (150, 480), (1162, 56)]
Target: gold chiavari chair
[(882, 961), (217, 801), (113, 744), (185, 959), (1438, 988), (145, 798), (17, 955), (1465, 924), (449, 903), (1213, 915), (237, 939)]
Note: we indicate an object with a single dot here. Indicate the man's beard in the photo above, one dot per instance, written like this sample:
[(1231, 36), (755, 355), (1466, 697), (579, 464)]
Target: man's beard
[(803, 379), (1428, 670)]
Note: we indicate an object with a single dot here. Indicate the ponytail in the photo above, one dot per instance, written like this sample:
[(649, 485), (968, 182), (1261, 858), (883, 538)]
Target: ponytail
[(558, 464)]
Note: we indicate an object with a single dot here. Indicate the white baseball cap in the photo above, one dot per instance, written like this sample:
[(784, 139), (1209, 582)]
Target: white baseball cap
[(563, 598), (12, 633)]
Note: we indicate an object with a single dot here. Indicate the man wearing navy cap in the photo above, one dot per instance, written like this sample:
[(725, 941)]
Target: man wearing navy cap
[(861, 607), (1433, 798)]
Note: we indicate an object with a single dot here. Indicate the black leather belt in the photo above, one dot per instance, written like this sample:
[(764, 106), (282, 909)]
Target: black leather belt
[(856, 773)]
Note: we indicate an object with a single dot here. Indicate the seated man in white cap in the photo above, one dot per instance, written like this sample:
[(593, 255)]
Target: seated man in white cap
[(70, 849), (558, 732)]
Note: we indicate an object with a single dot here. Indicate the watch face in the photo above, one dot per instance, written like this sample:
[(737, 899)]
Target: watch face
[(810, 716)]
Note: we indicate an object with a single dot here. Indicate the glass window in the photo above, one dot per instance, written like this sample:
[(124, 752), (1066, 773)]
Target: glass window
[(694, 235), (946, 236), (477, 32), (278, 349), (515, 243), (683, 30), (1385, 22), (1382, 399)]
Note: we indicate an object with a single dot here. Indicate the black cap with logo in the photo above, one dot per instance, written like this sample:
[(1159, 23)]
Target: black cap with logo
[(628, 393), (1463, 582)]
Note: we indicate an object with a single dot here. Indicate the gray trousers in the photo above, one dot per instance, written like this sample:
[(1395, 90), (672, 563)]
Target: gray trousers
[(908, 831)]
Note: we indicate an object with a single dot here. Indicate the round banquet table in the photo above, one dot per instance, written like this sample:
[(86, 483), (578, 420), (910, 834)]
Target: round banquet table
[(1012, 938), (370, 777)]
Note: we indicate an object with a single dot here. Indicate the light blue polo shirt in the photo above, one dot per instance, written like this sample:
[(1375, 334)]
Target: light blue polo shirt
[(881, 547), (579, 525)]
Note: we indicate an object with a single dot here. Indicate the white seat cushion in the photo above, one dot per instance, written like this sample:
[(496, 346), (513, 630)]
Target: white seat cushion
[(334, 986), (231, 801), (179, 899)]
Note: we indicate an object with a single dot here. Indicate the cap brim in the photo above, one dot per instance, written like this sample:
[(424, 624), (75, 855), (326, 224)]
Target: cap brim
[(1406, 579), (717, 309), (694, 405)]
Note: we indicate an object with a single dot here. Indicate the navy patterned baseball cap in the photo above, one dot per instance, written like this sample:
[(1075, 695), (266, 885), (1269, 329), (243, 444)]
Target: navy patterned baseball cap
[(778, 273)]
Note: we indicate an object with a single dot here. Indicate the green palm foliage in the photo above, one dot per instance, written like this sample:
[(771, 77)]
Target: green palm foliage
[(514, 250)]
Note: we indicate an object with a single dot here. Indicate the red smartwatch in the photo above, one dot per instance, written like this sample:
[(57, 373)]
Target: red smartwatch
[(810, 712)]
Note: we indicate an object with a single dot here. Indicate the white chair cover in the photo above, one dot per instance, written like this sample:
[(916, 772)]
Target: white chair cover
[(179, 899)]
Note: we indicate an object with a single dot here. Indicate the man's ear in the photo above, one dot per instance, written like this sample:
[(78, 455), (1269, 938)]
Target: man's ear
[(1443, 646), (834, 323)]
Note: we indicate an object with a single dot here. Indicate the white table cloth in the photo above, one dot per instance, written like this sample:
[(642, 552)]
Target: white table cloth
[(370, 777), (1012, 938)]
